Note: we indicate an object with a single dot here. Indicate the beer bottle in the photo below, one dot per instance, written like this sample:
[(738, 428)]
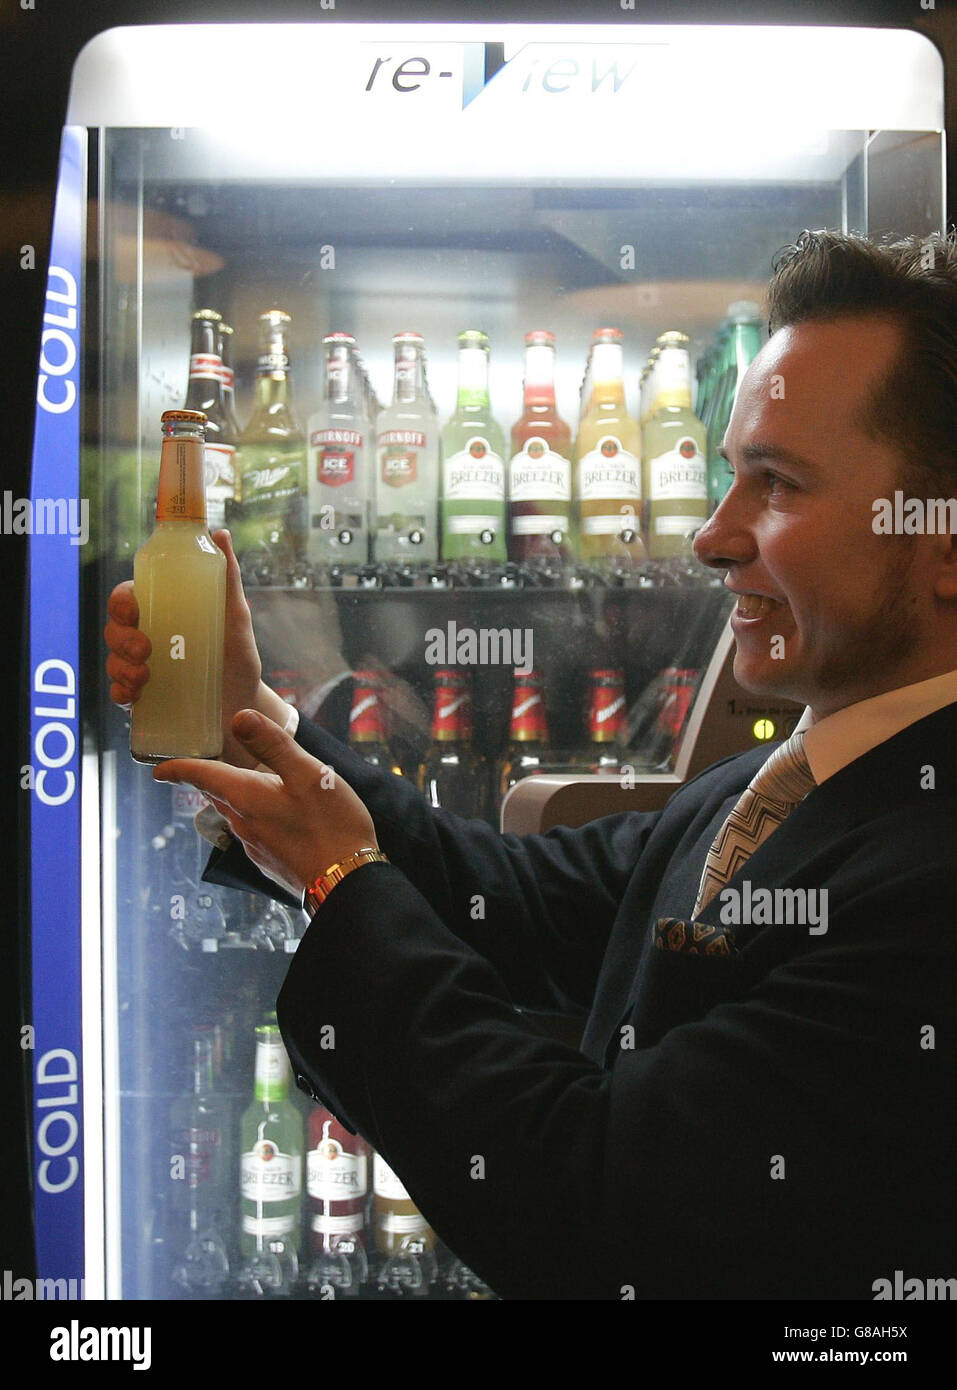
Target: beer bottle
[(271, 1145), (453, 775), (609, 467), (198, 1152), (340, 461), (337, 1183), (539, 485), (394, 1214), (198, 1136), (204, 393), (743, 345), (605, 726), (273, 455), (228, 379), (473, 463), (367, 722), (407, 462), (675, 447), (528, 733), (179, 578)]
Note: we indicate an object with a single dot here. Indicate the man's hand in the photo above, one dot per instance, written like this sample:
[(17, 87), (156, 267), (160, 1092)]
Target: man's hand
[(295, 821), (243, 686)]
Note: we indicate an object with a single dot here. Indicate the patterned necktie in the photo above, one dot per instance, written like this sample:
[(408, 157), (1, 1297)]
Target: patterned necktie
[(769, 798)]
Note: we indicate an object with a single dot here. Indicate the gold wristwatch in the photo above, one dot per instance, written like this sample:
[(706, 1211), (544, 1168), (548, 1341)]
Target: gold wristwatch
[(314, 894)]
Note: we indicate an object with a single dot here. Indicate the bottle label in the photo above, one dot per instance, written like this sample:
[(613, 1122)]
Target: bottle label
[(333, 1175), (609, 472), (186, 801), (264, 486), (335, 466), (272, 1065), (453, 715), (402, 1224), (204, 366), (268, 362), (474, 473), (201, 1149), (680, 474), (365, 718), (399, 457), (272, 1226), (528, 714), (218, 465), (538, 474), (386, 1184), (325, 1225), (607, 714), (269, 1175)]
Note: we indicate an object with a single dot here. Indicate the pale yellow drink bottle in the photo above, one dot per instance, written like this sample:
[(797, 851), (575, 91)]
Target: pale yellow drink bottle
[(179, 578)]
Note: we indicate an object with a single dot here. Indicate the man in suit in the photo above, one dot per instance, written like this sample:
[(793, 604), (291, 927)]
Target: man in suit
[(764, 1101)]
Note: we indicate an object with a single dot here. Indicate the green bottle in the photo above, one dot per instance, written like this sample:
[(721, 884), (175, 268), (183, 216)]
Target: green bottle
[(743, 345), (473, 463), (271, 519), (271, 1144)]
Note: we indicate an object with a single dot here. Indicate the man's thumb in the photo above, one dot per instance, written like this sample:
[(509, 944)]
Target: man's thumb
[(266, 741), (234, 579)]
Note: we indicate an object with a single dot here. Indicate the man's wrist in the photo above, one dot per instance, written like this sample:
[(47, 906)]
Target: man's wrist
[(317, 891)]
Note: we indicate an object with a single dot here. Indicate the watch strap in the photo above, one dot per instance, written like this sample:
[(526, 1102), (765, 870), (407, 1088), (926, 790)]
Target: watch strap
[(315, 893)]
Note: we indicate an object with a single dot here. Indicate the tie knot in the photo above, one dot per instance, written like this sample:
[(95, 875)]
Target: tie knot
[(787, 775)]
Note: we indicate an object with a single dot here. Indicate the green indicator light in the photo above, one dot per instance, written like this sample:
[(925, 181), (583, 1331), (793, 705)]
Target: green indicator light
[(763, 730)]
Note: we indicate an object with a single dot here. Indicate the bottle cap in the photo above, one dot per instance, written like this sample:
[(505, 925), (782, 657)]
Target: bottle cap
[(186, 417), (210, 315), (539, 336)]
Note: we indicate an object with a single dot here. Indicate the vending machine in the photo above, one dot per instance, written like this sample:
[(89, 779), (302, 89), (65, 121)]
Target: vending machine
[(435, 288)]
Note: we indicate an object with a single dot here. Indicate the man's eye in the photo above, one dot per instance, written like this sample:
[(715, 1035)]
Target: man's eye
[(776, 478)]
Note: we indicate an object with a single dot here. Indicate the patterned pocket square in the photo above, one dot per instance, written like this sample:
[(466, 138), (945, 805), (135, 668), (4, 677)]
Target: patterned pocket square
[(693, 938)]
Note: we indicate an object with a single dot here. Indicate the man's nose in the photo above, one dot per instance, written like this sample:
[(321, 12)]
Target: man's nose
[(726, 539)]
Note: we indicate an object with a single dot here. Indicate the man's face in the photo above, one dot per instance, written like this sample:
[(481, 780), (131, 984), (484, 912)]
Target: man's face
[(854, 611)]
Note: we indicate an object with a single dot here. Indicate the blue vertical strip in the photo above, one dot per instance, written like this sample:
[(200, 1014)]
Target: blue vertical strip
[(57, 530)]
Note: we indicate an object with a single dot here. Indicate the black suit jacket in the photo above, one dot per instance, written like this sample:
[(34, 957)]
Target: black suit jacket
[(755, 1112)]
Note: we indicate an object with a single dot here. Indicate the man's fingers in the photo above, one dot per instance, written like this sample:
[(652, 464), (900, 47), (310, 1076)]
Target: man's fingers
[(122, 604), (233, 786), (235, 595)]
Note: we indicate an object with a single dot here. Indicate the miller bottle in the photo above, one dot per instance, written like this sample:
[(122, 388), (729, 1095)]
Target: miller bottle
[(453, 775), (179, 578), (273, 455)]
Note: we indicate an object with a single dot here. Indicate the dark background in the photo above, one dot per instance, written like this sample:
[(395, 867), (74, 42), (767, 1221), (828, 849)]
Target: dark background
[(38, 47)]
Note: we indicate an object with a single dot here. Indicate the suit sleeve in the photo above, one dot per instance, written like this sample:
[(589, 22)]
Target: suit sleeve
[(744, 1155), (539, 907)]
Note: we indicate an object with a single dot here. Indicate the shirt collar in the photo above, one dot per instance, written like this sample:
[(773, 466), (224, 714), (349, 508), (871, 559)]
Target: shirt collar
[(849, 733)]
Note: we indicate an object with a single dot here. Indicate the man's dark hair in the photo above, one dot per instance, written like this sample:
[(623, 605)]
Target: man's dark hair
[(829, 275)]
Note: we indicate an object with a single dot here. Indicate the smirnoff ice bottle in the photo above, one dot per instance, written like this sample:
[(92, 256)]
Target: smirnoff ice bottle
[(407, 463), (339, 461)]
